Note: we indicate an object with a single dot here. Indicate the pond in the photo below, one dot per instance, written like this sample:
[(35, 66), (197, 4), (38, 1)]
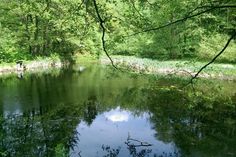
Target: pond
[(98, 111)]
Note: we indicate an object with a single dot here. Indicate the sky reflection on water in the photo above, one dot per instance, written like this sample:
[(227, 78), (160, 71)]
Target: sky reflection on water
[(112, 129), (93, 112)]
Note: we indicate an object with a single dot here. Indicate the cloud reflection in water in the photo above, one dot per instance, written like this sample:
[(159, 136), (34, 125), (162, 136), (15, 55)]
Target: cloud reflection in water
[(117, 115)]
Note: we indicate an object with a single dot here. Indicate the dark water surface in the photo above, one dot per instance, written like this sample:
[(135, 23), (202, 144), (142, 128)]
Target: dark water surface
[(102, 112)]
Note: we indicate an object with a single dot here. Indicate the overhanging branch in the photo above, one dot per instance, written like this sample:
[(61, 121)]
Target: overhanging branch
[(101, 21), (210, 8), (226, 45)]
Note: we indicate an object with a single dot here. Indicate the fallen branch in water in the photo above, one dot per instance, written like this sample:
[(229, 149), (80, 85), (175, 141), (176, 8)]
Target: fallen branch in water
[(131, 143)]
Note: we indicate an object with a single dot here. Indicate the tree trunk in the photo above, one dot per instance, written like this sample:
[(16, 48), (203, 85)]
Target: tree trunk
[(36, 33), (28, 33)]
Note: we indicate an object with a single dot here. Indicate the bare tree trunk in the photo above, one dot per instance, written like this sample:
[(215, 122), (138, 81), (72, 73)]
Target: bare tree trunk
[(46, 40), (36, 33), (28, 33)]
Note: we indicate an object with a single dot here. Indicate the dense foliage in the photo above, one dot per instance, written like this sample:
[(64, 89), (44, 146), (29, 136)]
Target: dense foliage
[(42, 27)]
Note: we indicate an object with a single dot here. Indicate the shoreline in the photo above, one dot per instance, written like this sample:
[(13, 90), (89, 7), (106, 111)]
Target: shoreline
[(30, 66), (43, 64), (176, 68)]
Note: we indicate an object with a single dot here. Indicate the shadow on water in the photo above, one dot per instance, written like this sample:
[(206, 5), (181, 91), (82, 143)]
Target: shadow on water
[(99, 112)]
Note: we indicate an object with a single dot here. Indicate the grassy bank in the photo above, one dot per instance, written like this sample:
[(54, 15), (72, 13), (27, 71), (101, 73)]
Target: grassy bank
[(141, 65), (44, 63), (173, 67), (40, 63)]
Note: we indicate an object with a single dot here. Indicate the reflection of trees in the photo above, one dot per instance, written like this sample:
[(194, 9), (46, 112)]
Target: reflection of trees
[(134, 151), (202, 123), (42, 131), (136, 148), (110, 152), (49, 114), (194, 123), (91, 110), (2, 131), (36, 134)]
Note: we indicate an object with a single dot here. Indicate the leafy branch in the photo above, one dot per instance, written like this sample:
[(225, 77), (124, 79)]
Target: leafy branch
[(102, 25), (191, 14), (210, 8)]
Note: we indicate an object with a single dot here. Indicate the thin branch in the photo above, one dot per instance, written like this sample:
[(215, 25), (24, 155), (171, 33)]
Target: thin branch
[(148, 2), (147, 21), (212, 4), (133, 5), (101, 21), (130, 142), (226, 45), (80, 4), (183, 19), (197, 8)]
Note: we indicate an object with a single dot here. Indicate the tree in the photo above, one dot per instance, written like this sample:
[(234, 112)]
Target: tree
[(206, 10), (156, 29)]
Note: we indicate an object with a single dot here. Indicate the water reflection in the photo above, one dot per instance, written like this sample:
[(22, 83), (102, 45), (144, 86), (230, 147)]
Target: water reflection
[(117, 115), (112, 128), (101, 113)]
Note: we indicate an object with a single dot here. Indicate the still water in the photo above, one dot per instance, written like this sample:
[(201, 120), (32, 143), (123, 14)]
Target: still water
[(101, 112)]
